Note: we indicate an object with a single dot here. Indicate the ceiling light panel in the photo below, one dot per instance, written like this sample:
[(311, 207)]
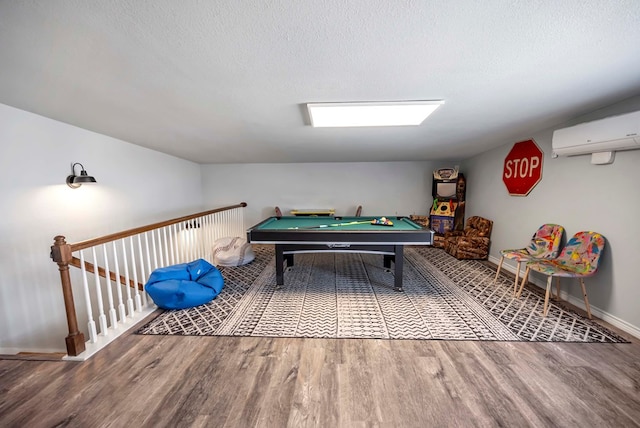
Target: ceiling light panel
[(401, 113)]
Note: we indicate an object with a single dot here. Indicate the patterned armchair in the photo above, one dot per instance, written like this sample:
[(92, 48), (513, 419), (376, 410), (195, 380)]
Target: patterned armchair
[(472, 242)]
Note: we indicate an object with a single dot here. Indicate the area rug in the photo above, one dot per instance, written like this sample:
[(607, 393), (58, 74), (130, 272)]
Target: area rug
[(350, 295)]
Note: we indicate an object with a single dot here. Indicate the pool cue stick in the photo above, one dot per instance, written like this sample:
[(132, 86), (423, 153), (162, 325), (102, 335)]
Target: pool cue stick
[(321, 226)]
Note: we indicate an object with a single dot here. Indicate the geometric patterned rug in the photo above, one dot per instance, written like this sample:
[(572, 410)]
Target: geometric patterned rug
[(350, 295)]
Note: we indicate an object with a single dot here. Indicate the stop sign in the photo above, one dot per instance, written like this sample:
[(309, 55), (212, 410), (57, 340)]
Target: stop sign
[(522, 168)]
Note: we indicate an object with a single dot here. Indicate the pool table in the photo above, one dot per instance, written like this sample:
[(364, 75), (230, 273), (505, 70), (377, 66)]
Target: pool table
[(292, 235)]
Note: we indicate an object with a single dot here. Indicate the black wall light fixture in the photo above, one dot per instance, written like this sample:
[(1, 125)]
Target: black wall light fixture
[(74, 181)]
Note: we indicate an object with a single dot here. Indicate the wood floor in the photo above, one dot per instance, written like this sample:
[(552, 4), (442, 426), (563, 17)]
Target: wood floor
[(169, 381)]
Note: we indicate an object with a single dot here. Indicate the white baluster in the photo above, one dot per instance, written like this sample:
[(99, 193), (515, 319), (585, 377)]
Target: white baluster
[(150, 269), (214, 227), (177, 236), (148, 254), (218, 233), (142, 275), (187, 242), (234, 222), (209, 240), (166, 246), (172, 244), (209, 235), (121, 312), (193, 242), (127, 278), (193, 246), (196, 238), (113, 319), (153, 247), (93, 334), (199, 234), (161, 262), (204, 234), (102, 318), (180, 241), (200, 237)]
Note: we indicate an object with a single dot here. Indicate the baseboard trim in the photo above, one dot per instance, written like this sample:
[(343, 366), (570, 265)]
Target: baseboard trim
[(17, 351)]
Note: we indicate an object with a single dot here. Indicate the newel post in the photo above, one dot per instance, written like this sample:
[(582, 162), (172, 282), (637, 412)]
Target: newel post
[(61, 254)]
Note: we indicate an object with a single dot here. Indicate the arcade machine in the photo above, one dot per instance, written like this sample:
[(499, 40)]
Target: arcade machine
[(447, 211)]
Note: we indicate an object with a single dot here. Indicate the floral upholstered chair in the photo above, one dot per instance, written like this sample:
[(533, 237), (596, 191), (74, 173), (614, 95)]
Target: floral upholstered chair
[(545, 244), (578, 259), (472, 242)]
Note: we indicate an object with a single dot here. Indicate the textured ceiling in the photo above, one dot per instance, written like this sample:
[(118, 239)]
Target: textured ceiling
[(226, 81)]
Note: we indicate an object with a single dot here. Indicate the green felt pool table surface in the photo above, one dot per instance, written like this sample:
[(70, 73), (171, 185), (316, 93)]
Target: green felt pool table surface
[(336, 223)]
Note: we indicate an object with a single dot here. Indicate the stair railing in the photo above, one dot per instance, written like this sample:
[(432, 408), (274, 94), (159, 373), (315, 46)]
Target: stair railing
[(114, 268)]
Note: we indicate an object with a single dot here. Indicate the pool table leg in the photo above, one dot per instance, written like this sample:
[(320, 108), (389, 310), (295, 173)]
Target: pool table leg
[(279, 265), (398, 262), (386, 261), (289, 259)]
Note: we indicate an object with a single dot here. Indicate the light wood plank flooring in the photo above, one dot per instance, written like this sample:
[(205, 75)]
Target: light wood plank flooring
[(169, 381)]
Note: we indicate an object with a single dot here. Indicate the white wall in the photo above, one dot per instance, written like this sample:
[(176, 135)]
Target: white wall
[(382, 188), (136, 186), (579, 196)]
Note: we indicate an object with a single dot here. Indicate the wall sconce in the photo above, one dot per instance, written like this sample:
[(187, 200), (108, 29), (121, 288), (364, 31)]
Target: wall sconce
[(74, 181)]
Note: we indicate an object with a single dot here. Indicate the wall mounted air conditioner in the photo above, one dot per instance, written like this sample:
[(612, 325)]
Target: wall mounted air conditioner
[(605, 135)]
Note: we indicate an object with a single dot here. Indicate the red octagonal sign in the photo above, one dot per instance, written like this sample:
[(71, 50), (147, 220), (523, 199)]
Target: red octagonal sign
[(522, 168)]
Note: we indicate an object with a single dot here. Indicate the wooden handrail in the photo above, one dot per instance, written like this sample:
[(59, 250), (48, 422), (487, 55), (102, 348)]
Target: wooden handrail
[(119, 235), (89, 267)]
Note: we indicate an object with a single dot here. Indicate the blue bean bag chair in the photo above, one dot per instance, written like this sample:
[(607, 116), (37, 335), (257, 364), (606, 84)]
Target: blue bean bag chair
[(184, 285)]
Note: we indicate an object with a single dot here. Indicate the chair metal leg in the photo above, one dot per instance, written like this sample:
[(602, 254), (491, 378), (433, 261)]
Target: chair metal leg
[(558, 288), (498, 270), (586, 300), (546, 296)]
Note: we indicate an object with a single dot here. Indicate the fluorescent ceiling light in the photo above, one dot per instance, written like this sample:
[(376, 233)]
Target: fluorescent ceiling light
[(401, 113)]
